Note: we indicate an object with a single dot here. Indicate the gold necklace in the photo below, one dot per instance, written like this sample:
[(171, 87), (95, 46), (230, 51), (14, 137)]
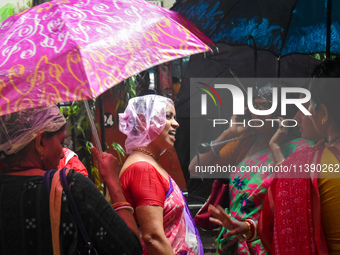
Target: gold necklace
[(145, 152)]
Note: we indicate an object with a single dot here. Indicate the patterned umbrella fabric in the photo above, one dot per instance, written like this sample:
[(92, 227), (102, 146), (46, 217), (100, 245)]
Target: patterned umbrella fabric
[(68, 50)]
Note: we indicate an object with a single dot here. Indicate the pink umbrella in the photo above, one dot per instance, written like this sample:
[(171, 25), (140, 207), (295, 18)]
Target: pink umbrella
[(69, 50)]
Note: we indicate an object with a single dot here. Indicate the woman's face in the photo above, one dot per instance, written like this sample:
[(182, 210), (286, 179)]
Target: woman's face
[(262, 104), (167, 136), (316, 118), (306, 125), (53, 150)]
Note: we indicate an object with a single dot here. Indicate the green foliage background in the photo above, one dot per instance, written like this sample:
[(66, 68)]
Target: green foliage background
[(76, 114)]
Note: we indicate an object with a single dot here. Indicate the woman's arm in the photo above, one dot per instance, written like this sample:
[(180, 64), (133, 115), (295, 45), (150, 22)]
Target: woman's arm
[(150, 219), (109, 169), (277, 139), (212, 156)]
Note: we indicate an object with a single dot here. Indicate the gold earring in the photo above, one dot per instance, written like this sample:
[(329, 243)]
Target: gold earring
[(41, 154), (323, 121)]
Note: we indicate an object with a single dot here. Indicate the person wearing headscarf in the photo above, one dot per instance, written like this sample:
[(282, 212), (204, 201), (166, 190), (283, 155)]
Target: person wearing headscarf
[(164, 221), (249, 151), (30, 145)]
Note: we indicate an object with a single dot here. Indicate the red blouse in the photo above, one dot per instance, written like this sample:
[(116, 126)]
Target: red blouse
[(142, 184)]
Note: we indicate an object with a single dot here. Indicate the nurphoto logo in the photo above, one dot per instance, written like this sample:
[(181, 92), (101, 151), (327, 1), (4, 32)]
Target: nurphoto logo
[(239, 107)]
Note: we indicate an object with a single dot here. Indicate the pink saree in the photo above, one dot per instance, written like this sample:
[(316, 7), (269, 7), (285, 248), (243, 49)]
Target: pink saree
[(179, 226)]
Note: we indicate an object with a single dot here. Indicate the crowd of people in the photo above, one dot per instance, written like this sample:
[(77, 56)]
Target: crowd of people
[(247, 190), (297, 213), (147, 212)]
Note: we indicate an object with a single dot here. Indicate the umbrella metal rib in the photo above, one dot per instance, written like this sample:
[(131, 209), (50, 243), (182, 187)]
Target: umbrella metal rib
[(93, 127)]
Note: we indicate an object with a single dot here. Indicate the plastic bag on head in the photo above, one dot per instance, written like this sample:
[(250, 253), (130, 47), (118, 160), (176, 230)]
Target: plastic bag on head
[(143, 120), (18, 129)]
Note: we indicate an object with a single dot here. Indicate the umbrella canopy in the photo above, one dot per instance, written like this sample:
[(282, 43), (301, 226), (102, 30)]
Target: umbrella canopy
[(63, 51), (282, 27)]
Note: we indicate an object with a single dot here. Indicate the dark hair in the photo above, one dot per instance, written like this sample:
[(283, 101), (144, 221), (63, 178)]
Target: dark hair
[(327, 91), (329, 68)]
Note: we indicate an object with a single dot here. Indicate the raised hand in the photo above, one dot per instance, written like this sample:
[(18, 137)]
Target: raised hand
[(221, 218), (108, 165), (281, 133), (238, 129)]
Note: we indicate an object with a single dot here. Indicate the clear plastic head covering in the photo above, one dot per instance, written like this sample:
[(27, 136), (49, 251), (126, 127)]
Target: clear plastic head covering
[(18, 129), (143, 120), (265, 92)]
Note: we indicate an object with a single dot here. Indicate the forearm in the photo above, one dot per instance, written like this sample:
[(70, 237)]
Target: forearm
[(277, 153), (116, 195), (152, 229), (226, 135), (127, 216), (158, 245), (213, 155), (109, 169), (115, 190)]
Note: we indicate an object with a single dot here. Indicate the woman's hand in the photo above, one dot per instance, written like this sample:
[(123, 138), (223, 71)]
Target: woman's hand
[(213, 156), (281, 133), (109, 169), (221, 218), (238, 129), (108, 165), (278, 138)]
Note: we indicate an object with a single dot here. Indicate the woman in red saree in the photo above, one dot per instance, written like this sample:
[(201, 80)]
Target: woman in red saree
[(164, 220), (300, 213)]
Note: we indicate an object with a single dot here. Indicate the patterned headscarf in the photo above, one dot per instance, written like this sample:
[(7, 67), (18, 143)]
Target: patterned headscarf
[(18, 129)]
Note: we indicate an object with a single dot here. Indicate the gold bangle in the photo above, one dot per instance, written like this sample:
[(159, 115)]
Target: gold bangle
[(245, 237)]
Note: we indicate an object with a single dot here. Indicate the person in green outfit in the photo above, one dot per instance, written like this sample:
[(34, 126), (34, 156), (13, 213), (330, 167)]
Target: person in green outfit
[(247, 189)]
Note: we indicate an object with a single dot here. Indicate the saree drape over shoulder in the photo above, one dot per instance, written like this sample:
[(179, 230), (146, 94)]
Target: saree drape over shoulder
[(247, 190), (301, 215), (142, 184)]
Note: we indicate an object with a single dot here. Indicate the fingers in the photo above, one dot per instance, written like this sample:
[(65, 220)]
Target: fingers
[(221, 209), (221, 218), (214, 211), (95, 152), (219, 214), (230, 233), (281, 126), (103, 156), (216, 221), (279, 121), (105, 161)]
